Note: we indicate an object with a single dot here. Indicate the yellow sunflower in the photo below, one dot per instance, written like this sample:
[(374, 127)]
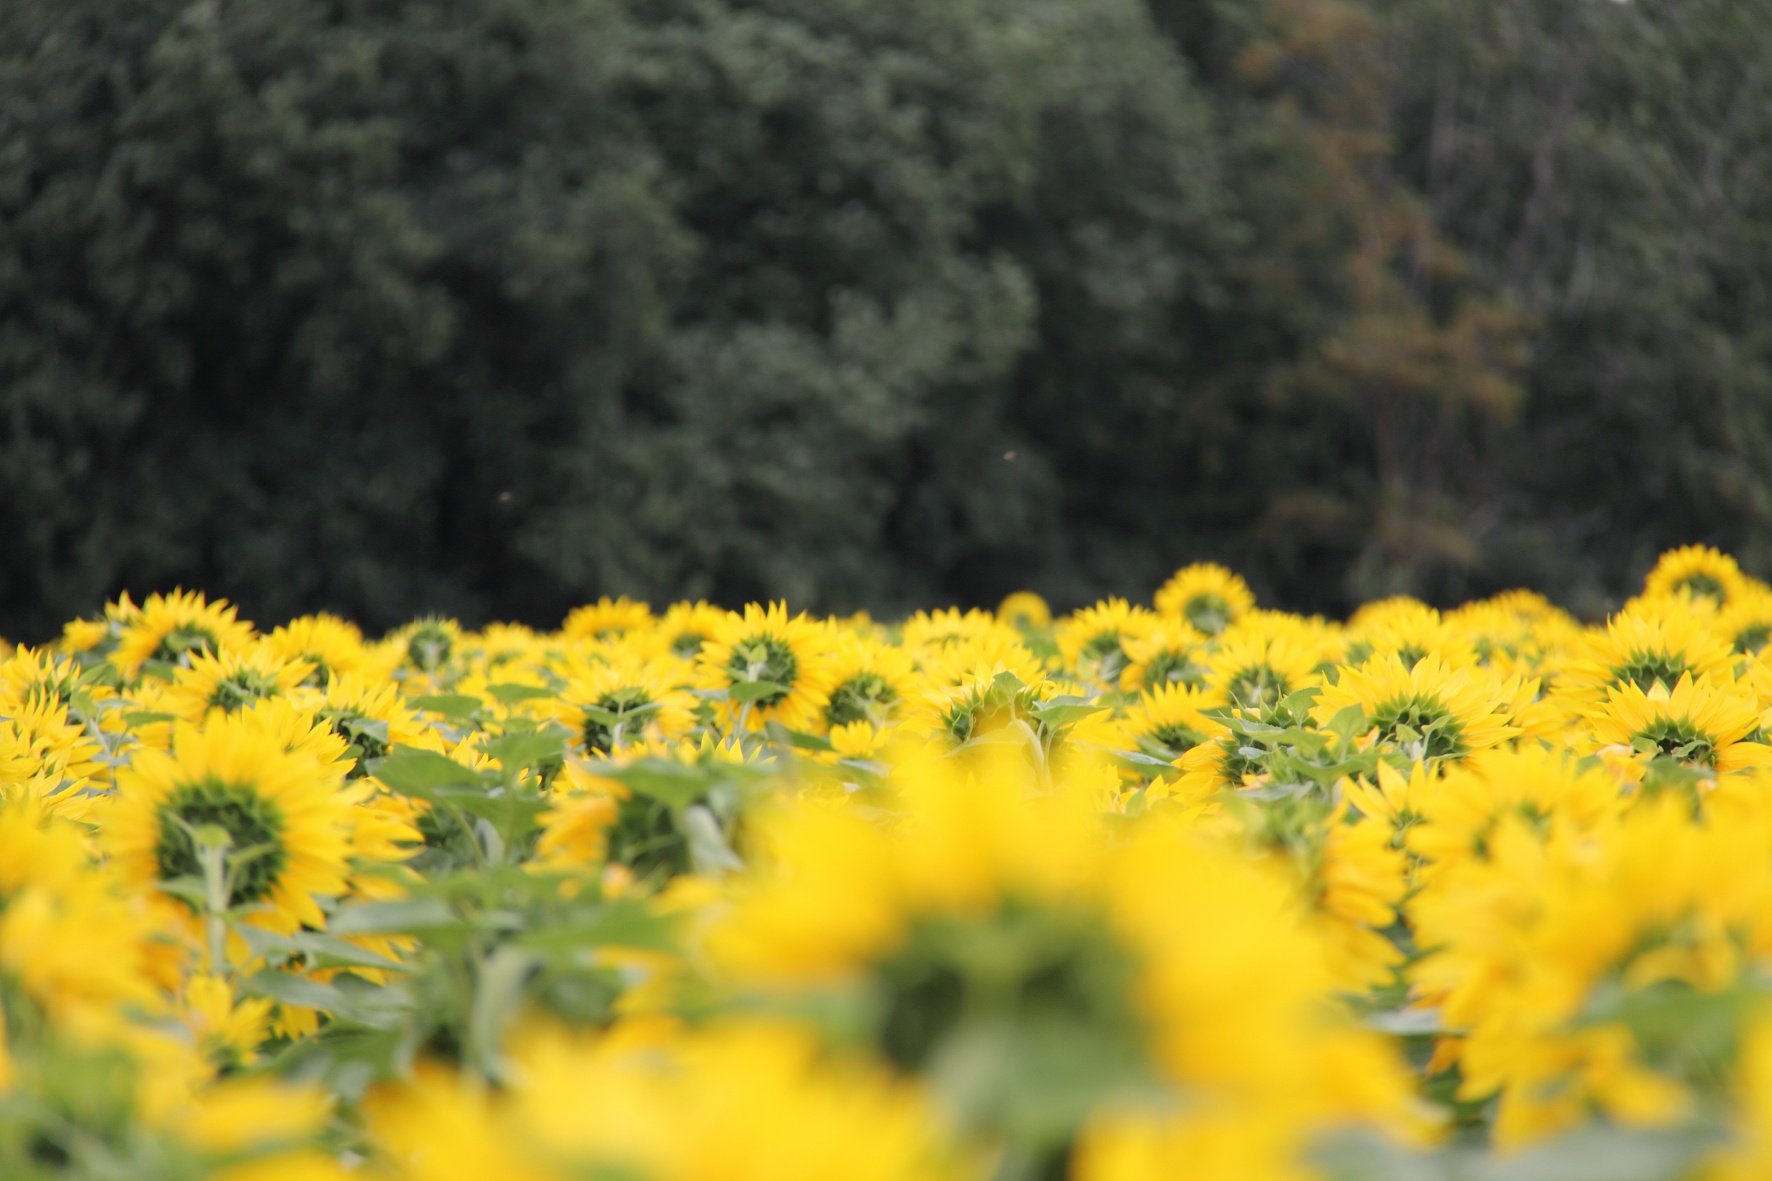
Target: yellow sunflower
[(685, 627), (934, 630), (607, 618), (1746, 623), (1427, 711), (172, 628), (1643, 647), (426, 645), (625, 699), (371, 717), (1169, 721), (330, 644), (1705, 722), (870, 681), (1170, 654), (1409, 628), (1698, 571), (277, 822), (1024, 610), (1092, 642), (1257, 663), (1205, 595), (774, 665), (232, 680)]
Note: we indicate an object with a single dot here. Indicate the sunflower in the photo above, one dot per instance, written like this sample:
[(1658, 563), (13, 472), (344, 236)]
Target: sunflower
[(607, 619), (29, 674), (773, 665), (1092, 642), (951, 664), (1024, 611), (928, 631), (1205, 595), (1704, 722), (1169, 721), (426, 645), (277, 820), (327, 643), (626, 699), (685, 627), (1534, 791), (232, 680), (1643, 647), (1170, 654), (1697, 571), (1746, 623), (173, 628), (1261, 661), (1184, 965), (1409, 628), (869, 682), (371, 718), (1547, 950), (646, 1099), (1427, 711)]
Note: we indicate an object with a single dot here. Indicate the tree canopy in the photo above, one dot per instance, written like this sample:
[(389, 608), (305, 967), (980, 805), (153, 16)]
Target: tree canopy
[(489, 307)]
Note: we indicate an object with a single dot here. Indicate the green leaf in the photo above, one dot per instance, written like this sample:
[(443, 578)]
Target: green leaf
[(418, 772), (660, 779), (514, 751), (450, 705), (513, 694), (147, 717), (744, 691), (621, 924), (407, 916)]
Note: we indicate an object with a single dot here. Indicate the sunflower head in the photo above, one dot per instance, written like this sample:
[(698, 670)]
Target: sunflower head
[(1025, 611), (276, 818), (870, 680), (1205, 595), (608, 619), (774, 665), (428, 644), (173, 629), (1698, 572)]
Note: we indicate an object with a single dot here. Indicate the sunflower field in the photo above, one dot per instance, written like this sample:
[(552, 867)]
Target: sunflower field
[(1194, 890)]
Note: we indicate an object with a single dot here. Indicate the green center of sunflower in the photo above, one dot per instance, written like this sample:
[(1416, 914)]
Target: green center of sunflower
[(1174, 739), (1423, 719), (246, 686), (1677, 738), (180, 640), (599, 733), (1170, 667), (764, 658), (1753, 637), (1701, 584), (687, 644), (429, 646), (1208, 612), (1411, 655), (1105, 650), (864, 697), (1257, 685), (1644, 668), (255, 858)]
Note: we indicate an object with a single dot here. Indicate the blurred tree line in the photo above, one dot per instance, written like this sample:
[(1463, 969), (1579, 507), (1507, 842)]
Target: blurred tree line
[(490, 306)]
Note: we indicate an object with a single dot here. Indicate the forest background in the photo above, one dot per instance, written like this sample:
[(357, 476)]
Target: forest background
[(488, 307)]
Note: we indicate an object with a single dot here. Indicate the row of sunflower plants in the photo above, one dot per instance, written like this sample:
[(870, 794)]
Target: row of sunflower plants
[(1189, 889)]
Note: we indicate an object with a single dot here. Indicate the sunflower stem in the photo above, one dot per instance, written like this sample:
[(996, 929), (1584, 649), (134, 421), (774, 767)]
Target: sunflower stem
[(212, 843)]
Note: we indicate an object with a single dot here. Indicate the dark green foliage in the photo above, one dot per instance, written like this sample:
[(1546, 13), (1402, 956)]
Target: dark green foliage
[(485, 308)]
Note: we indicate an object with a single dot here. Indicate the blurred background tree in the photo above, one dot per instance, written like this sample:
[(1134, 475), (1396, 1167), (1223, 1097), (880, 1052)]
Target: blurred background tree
[(489, 307)]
